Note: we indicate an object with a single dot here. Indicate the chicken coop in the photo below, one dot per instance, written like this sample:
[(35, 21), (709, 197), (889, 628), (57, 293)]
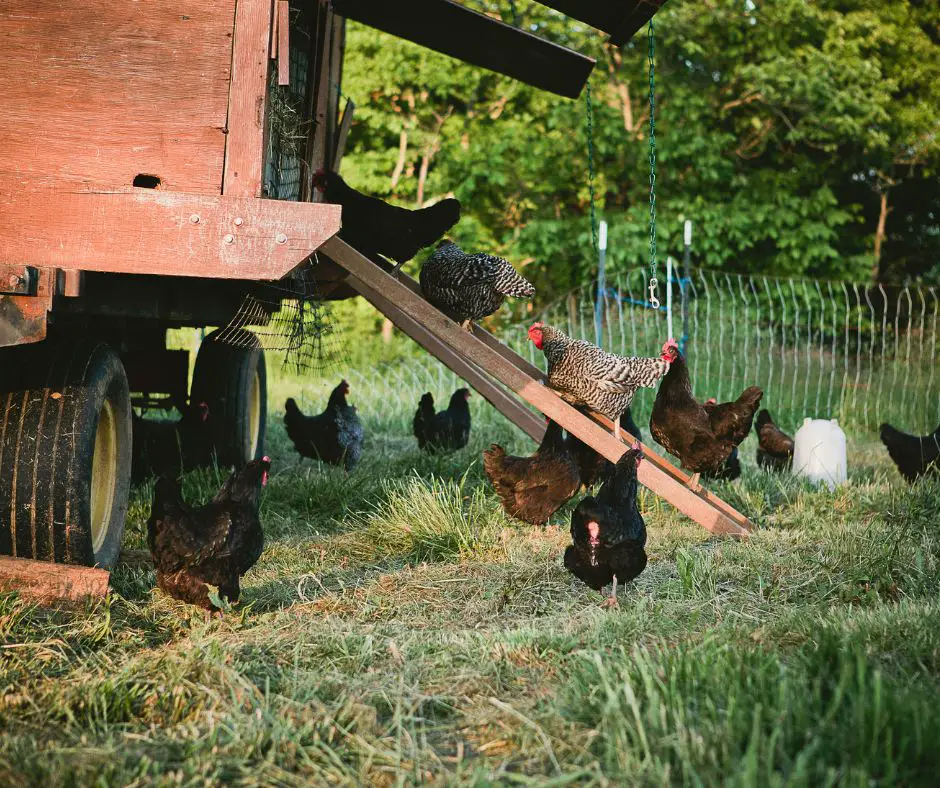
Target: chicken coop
[(156, 167)]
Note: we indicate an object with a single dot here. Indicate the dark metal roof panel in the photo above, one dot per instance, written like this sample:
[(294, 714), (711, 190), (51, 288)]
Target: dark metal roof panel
[(620, 18), (450, 28)]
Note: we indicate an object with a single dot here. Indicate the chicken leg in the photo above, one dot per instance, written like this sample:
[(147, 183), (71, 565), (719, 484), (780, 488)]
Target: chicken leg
[(467, 325), (617, 428), (693, 484), (611, 601)]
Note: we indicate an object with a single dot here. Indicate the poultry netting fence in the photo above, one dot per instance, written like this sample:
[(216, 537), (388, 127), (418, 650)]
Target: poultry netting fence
[(862, 354)]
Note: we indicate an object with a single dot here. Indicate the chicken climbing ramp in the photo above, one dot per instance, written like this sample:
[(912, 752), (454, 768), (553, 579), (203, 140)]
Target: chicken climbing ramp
[(484, 363)]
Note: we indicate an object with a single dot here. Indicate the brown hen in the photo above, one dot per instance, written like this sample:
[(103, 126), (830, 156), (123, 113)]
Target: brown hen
[(533, 488)]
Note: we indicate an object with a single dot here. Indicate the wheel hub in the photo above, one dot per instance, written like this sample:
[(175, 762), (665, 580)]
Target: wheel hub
[(104, 475)]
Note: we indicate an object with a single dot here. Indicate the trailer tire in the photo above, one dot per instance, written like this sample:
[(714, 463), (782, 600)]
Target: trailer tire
[(65, 452), (230, 376)]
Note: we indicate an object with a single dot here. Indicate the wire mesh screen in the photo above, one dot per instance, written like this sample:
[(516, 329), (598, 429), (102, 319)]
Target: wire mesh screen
[(862, 354), (290, 318), (288, 122)]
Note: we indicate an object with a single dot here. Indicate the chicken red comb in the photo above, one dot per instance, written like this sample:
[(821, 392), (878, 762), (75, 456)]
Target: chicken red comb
[(636, 446), (670, 343), (711, 401), (266, 459)]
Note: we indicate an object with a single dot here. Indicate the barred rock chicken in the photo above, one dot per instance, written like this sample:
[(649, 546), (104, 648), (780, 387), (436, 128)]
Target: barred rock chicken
[(171, 447), (334, 436), (774, 446), (448, 430), (583, 374), (608, 531), (214, 544), (373, 226), (593, 468), (470, 286), (533, 488), (702, 438), (913, 455)]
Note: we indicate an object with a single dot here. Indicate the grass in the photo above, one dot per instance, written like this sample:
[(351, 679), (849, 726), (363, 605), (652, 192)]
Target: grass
[(400, 629)]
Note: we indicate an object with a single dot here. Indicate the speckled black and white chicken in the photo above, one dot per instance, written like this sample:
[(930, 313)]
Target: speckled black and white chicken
[(583, 374), (470, 286)]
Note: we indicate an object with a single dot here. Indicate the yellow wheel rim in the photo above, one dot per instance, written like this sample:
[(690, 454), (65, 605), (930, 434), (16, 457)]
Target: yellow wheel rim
[(103, 476), (254, 413)]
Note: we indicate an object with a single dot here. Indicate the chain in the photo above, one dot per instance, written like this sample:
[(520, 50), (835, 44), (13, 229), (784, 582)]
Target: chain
[(589, 107), (654, 284)]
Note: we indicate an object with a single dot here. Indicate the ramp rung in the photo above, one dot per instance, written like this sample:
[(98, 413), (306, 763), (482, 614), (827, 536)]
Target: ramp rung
[(482, 356)]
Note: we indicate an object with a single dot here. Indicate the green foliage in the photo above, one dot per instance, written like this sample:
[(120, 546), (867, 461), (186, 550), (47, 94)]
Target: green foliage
[(779, 125)]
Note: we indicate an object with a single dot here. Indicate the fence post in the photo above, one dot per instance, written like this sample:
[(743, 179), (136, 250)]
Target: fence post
[(684, 283), (669, 333), (601, 283)]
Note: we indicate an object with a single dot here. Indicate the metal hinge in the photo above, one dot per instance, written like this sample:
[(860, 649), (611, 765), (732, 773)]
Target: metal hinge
[(20, 280)]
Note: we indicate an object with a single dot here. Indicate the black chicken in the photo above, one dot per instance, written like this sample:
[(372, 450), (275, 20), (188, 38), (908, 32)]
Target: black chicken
[(913, 455), (608, 531), (373, 226), (214, 544), (593, 467), (448, 430), (470, 286), (334, 436), (774, 446), (533, 488), (171, 447)]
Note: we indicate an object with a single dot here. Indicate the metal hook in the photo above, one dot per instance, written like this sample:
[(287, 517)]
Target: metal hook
[(654, 286)]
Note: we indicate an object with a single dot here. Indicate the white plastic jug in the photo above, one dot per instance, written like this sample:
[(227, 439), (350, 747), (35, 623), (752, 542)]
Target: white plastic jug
[(819, 452)]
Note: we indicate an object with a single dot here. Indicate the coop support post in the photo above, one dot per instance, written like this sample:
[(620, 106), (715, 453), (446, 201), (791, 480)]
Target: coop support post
[(601, 284)]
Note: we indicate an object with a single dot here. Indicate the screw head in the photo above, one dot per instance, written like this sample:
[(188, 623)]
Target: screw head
[(239, 221), (281, 238), (194, 218), (229, 239)]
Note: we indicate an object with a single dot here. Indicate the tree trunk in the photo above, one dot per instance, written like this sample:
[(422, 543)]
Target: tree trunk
[(422, 177), (402, 156), (880, 235)]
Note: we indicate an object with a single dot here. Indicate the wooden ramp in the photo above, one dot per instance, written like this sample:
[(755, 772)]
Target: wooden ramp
[(485, 363)]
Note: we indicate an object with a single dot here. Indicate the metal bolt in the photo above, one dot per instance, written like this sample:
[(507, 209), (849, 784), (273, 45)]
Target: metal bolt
[(194, 218), (229, 239), (238, 221), (281, 238)]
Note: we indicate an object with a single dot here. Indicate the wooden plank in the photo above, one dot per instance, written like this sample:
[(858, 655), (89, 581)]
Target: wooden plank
[(274, 31), (319, 144), (98, 92), (452, 29), (342, 134), (46, 582), (244, 146), (165, 233), (283, 42), (472, 348), (70, 283), (477, 378)]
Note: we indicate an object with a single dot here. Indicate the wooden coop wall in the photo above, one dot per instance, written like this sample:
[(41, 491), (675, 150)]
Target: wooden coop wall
[(99, 92)]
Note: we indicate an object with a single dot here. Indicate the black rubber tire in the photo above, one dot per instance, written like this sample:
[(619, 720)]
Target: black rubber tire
[(52, 397), (225, 377)]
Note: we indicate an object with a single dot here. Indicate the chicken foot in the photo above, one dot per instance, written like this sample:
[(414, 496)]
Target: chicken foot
[(611, 601), (693, 483)]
